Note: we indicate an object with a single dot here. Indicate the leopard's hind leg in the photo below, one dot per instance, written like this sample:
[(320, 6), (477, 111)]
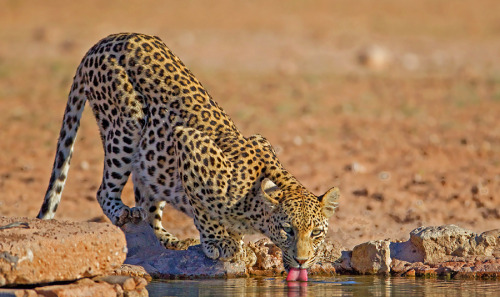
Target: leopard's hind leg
[(117, 168)]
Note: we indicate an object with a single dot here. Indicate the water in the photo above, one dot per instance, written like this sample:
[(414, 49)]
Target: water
[(327, 286)]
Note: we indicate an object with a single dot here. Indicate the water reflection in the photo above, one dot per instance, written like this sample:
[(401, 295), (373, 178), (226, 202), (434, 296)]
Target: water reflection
[(331, 286)]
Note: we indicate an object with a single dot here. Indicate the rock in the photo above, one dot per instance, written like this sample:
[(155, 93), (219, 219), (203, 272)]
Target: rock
[(329, 257), (142, 243), (18, 293), (191, 263), (129, 285), (133, 270), (372, 257), (456, 269), (491, 241), (145, 250), (84, 287), (426, 271), (268, 255), (448, 251), (45, 251), (343, 264), (103, 286), (399, 267), (438, 243), (406, 251)]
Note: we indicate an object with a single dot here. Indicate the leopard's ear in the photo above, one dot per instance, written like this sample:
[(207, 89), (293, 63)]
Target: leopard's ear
[(267, 190), (329, 201)]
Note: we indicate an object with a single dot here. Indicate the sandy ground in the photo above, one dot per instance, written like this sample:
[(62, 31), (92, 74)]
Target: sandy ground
[(395, 102)]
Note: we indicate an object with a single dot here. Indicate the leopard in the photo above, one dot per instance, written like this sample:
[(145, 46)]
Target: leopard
[(160, 126)]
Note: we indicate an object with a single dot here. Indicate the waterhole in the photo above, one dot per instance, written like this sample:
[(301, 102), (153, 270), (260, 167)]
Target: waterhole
[(326, 286)]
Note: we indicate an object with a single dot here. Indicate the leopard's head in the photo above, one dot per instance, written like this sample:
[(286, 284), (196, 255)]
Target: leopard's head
[(298, 222)]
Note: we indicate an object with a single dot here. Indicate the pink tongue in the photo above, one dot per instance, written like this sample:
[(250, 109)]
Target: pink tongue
[(296, 274)]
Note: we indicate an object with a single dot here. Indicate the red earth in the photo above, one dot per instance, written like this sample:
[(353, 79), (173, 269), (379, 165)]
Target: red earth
[(395, 102)]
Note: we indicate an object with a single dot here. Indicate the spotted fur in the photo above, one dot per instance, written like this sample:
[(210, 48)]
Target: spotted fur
[(159, 123)]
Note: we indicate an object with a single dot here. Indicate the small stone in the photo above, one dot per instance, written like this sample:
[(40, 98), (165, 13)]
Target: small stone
[(133, 270), (129, 284), (119, 290), (374, 57), (384, 175), (410, 272), (360, 192), (398, 266), (355, 167), (378, 196), (140, 283)]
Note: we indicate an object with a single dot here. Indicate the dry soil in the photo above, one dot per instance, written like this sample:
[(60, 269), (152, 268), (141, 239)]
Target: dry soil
[(395, 102)]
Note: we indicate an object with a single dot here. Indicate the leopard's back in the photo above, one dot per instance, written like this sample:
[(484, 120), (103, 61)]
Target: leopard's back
[(136, 76)]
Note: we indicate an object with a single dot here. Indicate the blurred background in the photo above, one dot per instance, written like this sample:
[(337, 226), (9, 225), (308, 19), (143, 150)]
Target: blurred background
[(395, 102)]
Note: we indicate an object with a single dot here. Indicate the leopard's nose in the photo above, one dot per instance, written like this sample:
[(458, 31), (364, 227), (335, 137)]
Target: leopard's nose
[(301, 261)]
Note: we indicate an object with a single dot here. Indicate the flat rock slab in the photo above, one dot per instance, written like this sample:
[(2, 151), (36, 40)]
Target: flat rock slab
[(34, 251), (145, 250)]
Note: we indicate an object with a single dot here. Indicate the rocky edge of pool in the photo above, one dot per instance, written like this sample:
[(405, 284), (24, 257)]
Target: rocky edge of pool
[(56, 257)]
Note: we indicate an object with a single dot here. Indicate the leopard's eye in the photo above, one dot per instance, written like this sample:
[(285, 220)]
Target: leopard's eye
[(317, 232), (288, 230)]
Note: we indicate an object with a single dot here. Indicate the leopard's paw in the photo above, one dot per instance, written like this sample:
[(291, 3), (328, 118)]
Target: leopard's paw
[(134, 215), (225, 249)]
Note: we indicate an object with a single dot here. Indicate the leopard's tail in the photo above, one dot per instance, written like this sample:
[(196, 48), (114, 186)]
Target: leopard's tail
[(67, 136)]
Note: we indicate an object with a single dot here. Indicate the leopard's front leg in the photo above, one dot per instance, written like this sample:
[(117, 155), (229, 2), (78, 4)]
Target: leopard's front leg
[(206, 173)]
